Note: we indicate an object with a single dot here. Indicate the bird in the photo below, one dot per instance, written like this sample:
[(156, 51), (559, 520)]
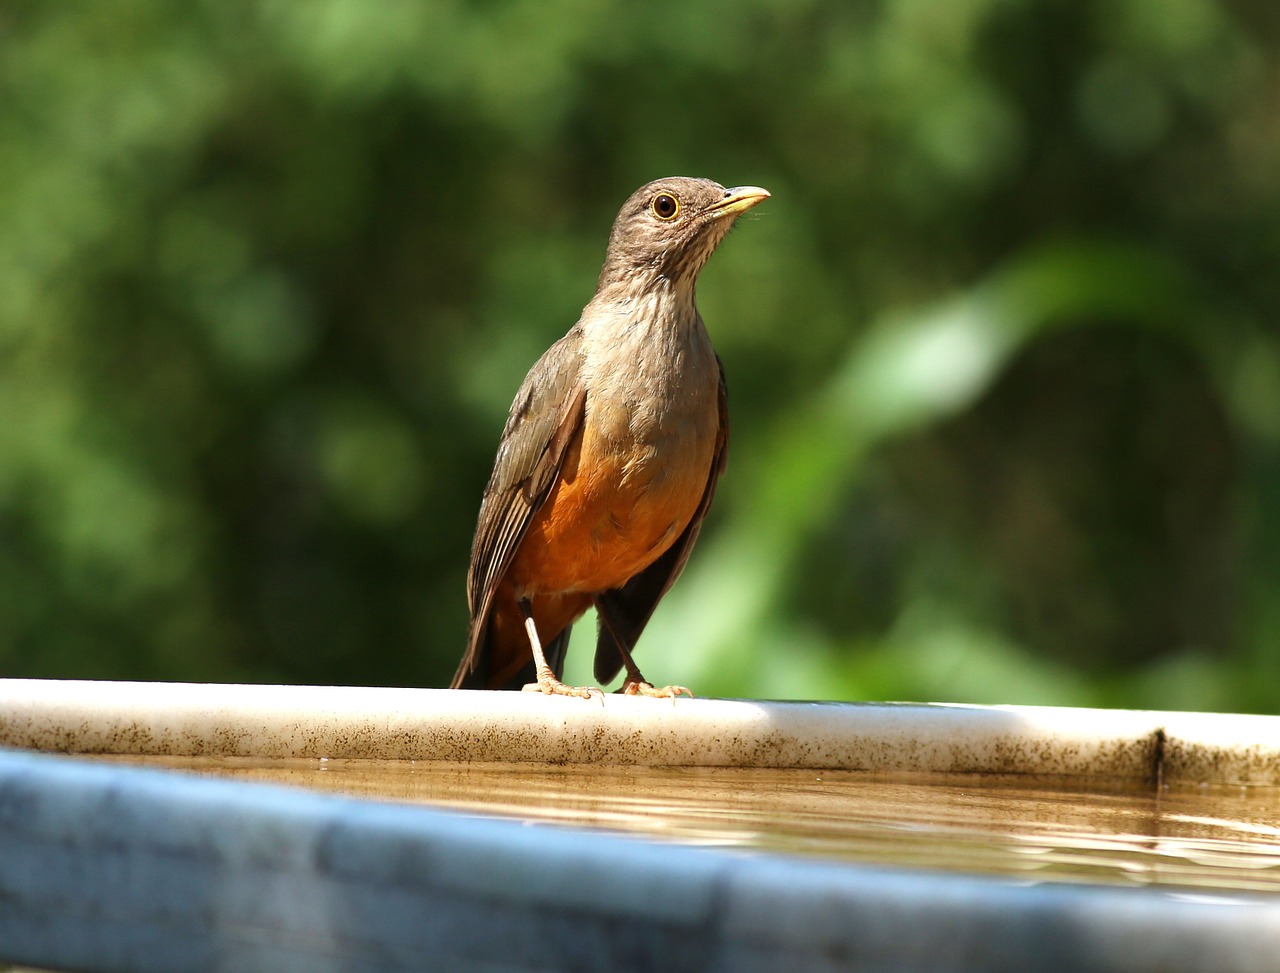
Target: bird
[(609, 458)]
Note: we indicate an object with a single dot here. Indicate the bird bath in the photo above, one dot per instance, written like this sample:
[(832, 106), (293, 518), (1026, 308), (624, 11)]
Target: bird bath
[(478, 830)]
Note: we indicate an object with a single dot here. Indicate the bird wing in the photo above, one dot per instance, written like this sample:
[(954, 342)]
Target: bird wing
[(625, 611), (545, 416)]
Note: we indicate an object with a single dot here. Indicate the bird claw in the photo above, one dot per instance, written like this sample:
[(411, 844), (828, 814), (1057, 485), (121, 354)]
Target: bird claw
[(642, 688), (552, 686)]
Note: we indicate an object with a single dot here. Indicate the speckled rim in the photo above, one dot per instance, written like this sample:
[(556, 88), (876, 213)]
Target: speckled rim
[(186, 719)]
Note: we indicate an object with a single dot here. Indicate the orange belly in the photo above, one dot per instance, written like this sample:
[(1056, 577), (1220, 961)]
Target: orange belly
[(611, 514)]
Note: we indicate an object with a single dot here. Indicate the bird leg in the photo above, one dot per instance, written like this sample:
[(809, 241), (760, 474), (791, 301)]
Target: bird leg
[(636, 684), (547, 681)]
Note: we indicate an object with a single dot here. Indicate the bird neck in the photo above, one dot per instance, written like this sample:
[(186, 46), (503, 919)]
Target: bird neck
[(672, 269), (648, 298), (643, 341)]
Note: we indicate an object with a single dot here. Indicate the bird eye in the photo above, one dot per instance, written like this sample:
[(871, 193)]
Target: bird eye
[(665, 206)]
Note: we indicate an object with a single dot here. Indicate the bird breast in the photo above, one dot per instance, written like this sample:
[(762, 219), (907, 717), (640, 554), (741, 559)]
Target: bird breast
[(634, 478)]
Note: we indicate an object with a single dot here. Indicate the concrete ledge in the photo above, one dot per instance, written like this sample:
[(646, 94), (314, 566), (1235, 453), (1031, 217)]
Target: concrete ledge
[(178, 719), (106, 868)]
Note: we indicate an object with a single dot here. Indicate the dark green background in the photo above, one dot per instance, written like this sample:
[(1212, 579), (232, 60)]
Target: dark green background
[(1003, 353)]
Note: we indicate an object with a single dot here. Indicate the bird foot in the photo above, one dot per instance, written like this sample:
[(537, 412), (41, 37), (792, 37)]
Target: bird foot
[(638, 687), (547, 683)]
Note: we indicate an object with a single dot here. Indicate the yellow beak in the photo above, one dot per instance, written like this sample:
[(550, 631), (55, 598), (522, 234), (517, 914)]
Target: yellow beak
[(739, 200)]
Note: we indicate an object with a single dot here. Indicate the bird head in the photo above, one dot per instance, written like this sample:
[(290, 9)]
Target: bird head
[(670, 227)]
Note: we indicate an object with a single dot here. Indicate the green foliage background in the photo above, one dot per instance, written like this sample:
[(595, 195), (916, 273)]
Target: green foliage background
[(1003, 351)]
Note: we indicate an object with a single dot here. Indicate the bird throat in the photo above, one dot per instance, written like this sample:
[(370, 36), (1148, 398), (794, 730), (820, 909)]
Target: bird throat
[(644, 343)]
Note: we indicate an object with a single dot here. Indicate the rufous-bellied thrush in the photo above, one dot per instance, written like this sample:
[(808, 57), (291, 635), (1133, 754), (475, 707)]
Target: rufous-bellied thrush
[(609, 458)]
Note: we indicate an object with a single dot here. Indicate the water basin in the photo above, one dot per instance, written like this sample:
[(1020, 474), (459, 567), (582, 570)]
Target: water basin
[(1043, 829), (175, 827)]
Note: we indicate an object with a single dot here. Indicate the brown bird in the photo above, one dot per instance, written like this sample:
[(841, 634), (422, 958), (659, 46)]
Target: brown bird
[(609, 457)]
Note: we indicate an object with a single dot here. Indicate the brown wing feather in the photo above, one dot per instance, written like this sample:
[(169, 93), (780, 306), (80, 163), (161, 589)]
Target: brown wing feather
[(625, 611), (545, 416)]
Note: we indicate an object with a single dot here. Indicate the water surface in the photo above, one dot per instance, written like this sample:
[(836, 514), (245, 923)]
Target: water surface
[(1215, 837)]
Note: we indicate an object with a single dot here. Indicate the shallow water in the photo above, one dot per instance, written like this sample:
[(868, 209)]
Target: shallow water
[(1032, 828)]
